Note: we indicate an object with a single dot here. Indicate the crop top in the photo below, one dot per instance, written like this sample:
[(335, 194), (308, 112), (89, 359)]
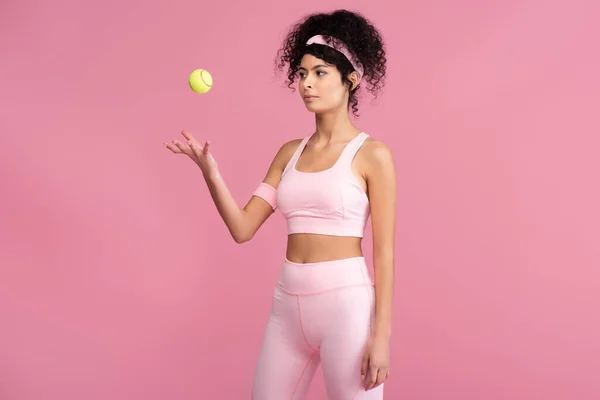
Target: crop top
[(328, 202)]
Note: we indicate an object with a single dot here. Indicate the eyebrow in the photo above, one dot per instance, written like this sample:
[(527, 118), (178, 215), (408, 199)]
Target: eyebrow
[(316, 66)]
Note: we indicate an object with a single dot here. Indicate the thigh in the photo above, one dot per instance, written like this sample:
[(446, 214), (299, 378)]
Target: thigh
[(286, 364), (344, 342)]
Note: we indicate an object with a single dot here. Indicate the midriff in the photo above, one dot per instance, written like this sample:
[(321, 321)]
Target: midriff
[(309, 248)]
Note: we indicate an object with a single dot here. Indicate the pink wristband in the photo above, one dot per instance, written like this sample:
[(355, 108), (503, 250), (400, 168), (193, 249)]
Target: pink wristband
[(268, 193)]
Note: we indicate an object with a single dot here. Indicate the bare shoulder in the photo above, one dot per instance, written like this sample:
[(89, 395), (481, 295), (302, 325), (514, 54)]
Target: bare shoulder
[(376, 154), (290, 147), (279, 162), (286, 151)]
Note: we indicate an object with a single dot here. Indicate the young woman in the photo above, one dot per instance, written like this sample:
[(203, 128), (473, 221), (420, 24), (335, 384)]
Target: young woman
[(326, 310)]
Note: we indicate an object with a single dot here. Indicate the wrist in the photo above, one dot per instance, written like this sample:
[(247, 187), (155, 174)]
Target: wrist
[(381, 333), (211, 176)]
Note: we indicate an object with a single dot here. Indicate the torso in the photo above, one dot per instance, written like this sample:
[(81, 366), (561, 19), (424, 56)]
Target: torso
[(308, 248)]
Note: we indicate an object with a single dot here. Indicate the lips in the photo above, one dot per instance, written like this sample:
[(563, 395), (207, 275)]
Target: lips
[(309, 96)]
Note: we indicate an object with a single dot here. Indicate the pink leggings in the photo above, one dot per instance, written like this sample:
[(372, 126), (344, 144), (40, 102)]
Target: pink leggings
[(322, 313)]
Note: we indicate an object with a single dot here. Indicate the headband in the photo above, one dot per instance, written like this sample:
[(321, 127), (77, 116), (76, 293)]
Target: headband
[(341, 47)]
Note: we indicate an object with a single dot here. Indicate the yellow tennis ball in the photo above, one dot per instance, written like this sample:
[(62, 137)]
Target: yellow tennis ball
[(200, 81)]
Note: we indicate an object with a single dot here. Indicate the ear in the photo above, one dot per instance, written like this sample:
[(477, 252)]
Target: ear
[(353, 76)]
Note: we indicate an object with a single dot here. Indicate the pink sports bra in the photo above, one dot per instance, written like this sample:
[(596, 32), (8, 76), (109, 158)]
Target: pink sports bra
[(328, 202)]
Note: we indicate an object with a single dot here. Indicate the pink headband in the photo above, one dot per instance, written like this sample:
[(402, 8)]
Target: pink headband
[(339, 46)]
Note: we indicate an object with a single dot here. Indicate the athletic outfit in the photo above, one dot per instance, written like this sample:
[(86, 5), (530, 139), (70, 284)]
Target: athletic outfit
[(322, 312)]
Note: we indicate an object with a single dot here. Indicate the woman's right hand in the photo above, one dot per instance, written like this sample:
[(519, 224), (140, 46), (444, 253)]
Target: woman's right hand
[(199, 154)]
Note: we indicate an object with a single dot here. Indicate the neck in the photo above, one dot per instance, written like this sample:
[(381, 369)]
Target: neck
[(334, 126)]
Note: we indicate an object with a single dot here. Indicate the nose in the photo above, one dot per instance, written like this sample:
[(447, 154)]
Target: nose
[(307, 82)]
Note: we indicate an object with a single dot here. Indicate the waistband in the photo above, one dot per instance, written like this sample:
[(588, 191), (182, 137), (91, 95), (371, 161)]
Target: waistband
[(318, 277), (344, 227)]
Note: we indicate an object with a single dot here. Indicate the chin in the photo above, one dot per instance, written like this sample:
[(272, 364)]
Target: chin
[(315, 109)]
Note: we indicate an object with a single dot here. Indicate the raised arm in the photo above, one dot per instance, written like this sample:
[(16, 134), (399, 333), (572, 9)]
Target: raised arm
[(263, 201), (244, 222)]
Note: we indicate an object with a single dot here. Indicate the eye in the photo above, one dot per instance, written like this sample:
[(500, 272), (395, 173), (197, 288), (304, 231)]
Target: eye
[(321, 72), (301, 75)]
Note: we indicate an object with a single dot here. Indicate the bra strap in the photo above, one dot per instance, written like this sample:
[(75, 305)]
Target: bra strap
[(351, 149), (295, 156)]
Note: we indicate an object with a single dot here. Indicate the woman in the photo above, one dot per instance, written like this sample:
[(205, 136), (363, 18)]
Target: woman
[(325, 308)]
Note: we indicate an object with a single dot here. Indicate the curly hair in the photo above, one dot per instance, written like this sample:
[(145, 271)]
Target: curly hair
[(354, 30)]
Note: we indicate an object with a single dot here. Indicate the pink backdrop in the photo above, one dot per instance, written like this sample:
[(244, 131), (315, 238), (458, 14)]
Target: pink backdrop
[(119, 281)]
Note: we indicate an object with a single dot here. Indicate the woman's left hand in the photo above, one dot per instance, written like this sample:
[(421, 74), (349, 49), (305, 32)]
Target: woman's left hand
[(375, 367)]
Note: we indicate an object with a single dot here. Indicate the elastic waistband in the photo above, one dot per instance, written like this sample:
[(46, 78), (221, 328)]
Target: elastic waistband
[(319, 277), (342, 227)]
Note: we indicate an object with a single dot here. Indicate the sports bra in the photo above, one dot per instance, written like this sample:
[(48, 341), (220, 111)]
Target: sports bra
[(328, 202)]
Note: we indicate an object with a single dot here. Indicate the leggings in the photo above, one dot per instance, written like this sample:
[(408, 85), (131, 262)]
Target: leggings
[(321, 314)]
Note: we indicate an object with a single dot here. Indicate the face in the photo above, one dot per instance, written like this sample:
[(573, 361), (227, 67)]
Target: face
[(320, 85)]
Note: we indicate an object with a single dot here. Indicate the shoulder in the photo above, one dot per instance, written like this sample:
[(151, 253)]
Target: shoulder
[(279, 162), (378, 163), (286, 151), (290, 146), (376, 153)]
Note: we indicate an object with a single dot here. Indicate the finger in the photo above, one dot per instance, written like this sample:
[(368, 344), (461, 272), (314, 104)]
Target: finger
[(173, 148), (382, 375), (187, 135), (196, 149), (184, 148), (372, 378), (364, 365), (206, 149)]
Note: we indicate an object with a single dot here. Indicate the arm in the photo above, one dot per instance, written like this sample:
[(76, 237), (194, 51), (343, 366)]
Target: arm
[(381, 184), (381, 181), (244, 222)]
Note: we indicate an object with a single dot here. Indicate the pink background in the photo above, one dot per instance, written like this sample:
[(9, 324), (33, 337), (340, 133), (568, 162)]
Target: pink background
[(118, 279)]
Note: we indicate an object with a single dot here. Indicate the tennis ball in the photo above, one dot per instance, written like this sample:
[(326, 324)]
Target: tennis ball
[(200, 81)]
